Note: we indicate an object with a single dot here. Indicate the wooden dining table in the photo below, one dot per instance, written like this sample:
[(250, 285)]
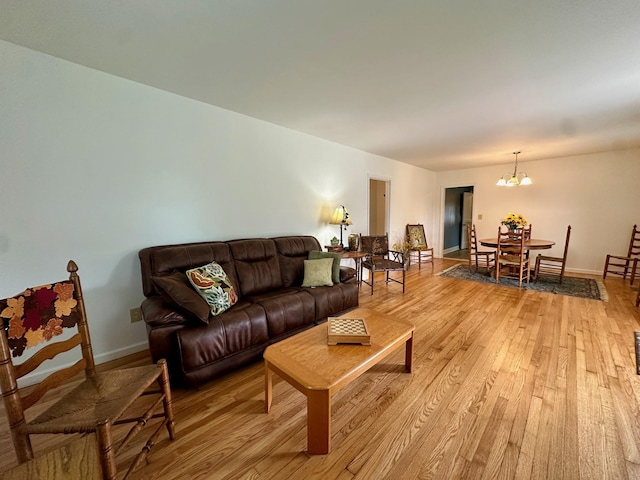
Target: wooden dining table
[(531, 244)]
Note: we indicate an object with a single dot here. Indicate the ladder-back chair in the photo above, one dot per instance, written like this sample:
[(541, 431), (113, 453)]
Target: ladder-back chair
[(39, 317), (625, 265), (548, 265), (380, 259), (419, 249), (511, 257), (484, 258)]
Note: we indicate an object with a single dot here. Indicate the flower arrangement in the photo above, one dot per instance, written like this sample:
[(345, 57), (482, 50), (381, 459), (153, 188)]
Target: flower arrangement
[(514, 221), (402, 246)]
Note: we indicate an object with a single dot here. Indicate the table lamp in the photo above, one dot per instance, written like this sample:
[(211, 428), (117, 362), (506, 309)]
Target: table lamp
[(340, 217)]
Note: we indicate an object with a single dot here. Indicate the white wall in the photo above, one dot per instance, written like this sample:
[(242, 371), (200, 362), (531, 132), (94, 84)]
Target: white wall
[(596, 194), (95, 167)]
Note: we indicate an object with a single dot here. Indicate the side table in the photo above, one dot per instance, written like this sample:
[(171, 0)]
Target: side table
[(357, 259)]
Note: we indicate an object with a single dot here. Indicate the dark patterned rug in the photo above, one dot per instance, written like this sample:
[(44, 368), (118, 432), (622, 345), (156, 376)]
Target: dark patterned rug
[(572, 286)]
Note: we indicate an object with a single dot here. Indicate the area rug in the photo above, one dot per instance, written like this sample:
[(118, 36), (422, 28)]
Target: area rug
[(572, 286)]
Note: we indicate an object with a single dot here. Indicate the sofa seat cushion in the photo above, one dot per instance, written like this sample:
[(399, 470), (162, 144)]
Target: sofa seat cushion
[(333, 300), (235, 330), (288, 312), (274, 294)]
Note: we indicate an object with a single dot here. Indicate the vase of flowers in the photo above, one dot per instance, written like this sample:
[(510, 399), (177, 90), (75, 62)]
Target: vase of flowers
[(514, 221)]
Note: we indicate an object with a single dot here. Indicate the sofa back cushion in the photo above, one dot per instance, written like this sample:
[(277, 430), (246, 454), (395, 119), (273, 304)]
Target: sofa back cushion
[(257, 267), (292, 252), (165, 260)]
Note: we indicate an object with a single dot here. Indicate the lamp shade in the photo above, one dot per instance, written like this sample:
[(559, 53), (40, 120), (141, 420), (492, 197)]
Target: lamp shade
[(340, 216), (526, 180)]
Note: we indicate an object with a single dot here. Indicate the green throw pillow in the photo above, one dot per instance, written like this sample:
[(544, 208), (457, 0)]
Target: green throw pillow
[(317, 273), (212, 283), (335, 269)]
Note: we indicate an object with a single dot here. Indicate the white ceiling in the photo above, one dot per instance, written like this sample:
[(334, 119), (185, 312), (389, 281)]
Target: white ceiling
[(442, 84)]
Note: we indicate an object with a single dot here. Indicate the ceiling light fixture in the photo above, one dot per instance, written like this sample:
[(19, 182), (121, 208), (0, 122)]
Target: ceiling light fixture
[(509, 180)]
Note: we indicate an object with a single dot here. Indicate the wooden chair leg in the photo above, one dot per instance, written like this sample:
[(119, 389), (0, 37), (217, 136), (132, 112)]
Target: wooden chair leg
[(13, 405), (167, 401), (105, 446)]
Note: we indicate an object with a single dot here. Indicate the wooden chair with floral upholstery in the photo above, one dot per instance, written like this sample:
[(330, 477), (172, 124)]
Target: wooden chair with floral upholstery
[(418, 248), (380, 259), (39, 317)]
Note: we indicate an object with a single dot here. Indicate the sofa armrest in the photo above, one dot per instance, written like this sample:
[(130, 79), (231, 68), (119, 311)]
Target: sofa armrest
[(347, 274), (157, 313)]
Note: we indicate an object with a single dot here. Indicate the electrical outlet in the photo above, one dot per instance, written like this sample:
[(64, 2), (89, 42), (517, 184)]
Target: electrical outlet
[(135, 314), (479, 216)]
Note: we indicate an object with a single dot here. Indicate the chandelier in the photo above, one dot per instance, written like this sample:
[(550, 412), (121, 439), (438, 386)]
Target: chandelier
[(515, 178)]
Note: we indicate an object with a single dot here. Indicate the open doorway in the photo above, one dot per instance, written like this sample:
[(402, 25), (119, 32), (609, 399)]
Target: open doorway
[(458, 214), (378, 206)]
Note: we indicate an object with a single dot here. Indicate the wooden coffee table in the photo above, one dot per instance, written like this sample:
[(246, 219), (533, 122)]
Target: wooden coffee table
[(319, 370)]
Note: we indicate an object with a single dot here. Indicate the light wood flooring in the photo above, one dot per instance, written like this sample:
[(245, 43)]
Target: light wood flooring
[(507, 384)]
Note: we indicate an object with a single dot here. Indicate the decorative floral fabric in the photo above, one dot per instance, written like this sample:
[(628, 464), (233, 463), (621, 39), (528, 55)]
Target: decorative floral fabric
[(38, 314), (416, 238), (212, 283), (375, 244)]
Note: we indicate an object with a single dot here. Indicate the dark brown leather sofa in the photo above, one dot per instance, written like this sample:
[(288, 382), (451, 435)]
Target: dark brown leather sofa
[(267, 275)]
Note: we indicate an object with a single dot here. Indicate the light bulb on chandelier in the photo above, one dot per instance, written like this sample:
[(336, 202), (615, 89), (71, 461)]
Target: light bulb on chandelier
[(515, 178)]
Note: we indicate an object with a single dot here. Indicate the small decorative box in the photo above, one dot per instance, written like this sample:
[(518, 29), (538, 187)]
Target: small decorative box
[(348, 330)]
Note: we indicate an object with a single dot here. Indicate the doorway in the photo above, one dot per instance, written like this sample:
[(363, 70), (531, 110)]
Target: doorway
[(378, 206), (458, 214)]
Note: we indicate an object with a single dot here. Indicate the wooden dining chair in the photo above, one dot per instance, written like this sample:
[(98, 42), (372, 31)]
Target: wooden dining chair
[(548, 265), (38, 318), (511, 258), (419, 250), (380, 259), (627, 264), (484, 258)]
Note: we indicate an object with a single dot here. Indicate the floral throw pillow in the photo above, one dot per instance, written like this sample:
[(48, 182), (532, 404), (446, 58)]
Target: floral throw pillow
[(212, 283), (38, 314)]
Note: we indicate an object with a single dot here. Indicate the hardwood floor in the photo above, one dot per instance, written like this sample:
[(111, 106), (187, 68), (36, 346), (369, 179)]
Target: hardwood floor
[(507, 384)]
